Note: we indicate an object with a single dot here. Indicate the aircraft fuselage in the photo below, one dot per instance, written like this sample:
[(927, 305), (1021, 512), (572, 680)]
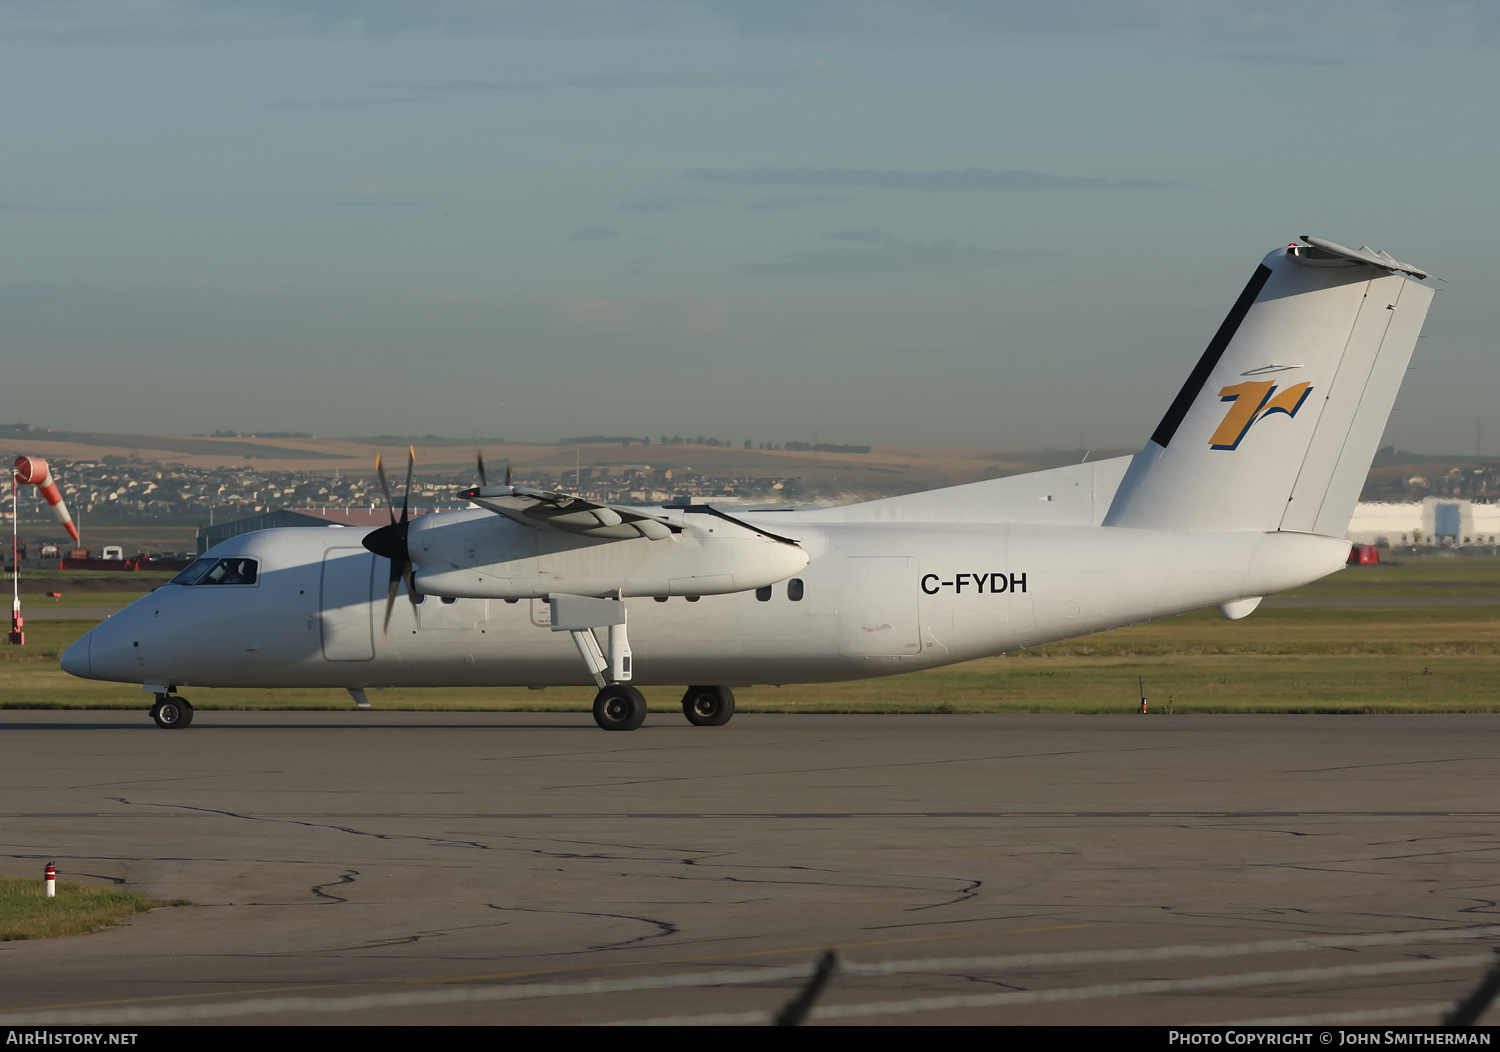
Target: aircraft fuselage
[(875, 600)]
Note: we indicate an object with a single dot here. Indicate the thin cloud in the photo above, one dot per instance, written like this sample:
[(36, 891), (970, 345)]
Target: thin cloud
[(891, 256), (711, 78), (896, 21), (594, 233), (1276, 58), (22, 208), (863, 235), (460, 85), (930, 181), (349, 102), (665, 203), (791, 202)]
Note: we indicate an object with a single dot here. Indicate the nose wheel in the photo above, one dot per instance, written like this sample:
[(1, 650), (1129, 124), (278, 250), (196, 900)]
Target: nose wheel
[(619, 707), (708, 706), (171, 712)]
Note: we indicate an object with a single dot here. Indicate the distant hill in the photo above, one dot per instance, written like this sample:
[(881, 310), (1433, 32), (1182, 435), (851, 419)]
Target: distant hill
[(1390, 456), (194, 446), (828, 472)]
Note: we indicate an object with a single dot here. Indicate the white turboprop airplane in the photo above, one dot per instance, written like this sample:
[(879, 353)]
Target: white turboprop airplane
[(1245, 488)]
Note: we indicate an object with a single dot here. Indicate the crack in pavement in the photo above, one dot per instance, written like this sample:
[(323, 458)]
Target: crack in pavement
[(1391, 763), (664, 928), (1020, 918), (311, 825), (347, 877), (982, 981), (380, 944), (963, 896)]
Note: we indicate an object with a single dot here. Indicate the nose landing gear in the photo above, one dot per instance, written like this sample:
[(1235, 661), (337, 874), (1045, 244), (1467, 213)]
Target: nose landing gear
[(171, 712)]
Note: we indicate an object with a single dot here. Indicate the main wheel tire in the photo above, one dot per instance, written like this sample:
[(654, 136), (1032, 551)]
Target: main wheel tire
[(619, 707), (708, 706), (172, 713)]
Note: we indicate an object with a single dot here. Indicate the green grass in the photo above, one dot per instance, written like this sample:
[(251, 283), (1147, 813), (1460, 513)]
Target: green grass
[(26, 912), (1421, 575), (32, 603), (1323, 659)]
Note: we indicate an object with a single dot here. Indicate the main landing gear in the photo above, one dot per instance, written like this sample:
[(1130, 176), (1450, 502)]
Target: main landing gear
[(170, 712), (708, 706), (620, 707)]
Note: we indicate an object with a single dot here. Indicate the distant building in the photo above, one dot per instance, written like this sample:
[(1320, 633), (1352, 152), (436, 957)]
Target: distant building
[(209, 536), (1443, 521)]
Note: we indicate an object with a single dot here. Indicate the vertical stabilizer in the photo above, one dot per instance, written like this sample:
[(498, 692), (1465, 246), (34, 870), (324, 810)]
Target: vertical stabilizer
[(1277, 424)]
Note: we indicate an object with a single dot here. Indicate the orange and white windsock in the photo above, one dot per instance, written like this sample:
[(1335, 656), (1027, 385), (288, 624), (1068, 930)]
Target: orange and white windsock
[(32, 471)]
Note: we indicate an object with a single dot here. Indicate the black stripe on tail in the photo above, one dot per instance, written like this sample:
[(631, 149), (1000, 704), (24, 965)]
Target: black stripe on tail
[(1199, 376)]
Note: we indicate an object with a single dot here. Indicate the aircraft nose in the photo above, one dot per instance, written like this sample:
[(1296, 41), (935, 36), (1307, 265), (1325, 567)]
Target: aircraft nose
[(75, 660)]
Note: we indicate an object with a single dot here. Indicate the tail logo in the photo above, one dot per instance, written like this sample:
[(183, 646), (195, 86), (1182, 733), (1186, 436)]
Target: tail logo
[(1250, 402)]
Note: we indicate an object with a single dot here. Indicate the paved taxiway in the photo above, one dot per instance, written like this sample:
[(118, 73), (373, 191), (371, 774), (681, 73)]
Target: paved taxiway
[(372, 853)]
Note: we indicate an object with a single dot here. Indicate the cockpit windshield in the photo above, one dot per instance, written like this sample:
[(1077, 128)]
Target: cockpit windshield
[(235, 570)]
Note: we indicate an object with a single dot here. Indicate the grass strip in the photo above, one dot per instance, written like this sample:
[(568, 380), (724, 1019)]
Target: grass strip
[(27, 913)]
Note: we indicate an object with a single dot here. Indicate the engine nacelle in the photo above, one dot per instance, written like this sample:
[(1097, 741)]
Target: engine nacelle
[(479, 555)]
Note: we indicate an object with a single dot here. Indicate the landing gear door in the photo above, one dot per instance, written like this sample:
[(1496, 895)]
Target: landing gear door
[(347, 613), (878, 607)]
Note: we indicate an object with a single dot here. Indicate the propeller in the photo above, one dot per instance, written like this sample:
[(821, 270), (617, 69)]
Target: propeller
[(390, 541), (484, 479)]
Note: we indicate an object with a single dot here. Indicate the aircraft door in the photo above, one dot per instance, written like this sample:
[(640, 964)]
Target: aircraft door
[(878, 607), (347, 614)]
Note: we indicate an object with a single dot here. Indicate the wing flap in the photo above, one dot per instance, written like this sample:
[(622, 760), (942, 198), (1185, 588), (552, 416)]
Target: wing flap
[(566, 513)]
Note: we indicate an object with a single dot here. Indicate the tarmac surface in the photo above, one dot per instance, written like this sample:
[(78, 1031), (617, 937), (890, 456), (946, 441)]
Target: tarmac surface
[(68, 613), (422, 868)]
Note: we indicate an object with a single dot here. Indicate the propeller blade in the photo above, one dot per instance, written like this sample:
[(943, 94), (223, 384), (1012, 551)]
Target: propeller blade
[(483, 478), (390, 600), (386, 488), (390, 541), (411, 463)]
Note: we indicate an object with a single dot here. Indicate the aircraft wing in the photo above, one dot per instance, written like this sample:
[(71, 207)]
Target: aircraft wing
[(545, 510)]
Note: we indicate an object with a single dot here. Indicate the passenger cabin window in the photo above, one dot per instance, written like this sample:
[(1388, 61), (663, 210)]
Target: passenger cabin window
[(219, 571), (794, 589), (763, 594)]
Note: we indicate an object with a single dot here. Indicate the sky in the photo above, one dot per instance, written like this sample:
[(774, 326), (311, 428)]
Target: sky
[(917, 222)]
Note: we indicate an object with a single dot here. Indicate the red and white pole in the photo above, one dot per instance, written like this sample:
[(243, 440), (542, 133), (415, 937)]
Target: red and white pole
[(51, 880), (17, 636)]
